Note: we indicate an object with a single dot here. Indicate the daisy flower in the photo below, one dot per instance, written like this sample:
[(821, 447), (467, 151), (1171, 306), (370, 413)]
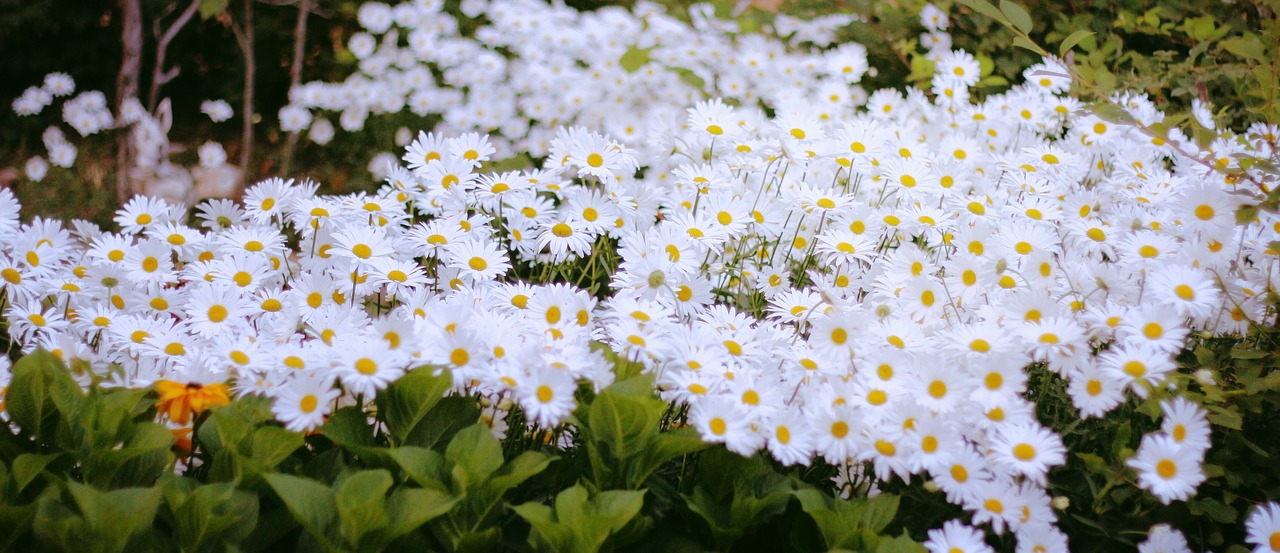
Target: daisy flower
[(547, 396), (1163, 538), (480, 260), (564, 238), (1167, 470), (1263, 527), (365, 367), (1029, 449), (304, 401), (1186, 423), (956, 537)]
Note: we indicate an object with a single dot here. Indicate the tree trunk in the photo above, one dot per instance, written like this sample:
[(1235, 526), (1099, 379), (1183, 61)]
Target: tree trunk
[(127, 86), (244, 38)]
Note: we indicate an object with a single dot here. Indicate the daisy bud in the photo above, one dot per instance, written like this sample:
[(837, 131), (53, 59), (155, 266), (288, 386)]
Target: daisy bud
[(931, 486), (1061, 502), (505, 404), (1204, 377)]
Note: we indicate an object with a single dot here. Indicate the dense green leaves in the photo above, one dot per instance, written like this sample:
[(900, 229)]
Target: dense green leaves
[(580, 522)]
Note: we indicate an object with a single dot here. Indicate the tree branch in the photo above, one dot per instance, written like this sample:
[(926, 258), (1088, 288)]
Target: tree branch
[(160, 75), (295, 76)]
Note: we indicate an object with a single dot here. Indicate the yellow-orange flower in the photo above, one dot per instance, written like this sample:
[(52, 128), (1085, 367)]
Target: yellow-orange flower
[(181, 400)]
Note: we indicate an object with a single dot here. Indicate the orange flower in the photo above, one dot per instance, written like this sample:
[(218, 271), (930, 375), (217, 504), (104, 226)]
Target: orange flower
[(181, 400)]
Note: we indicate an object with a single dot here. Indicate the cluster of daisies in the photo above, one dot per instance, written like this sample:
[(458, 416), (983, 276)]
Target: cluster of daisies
[(88, 113), (867, 287), (630, 70)]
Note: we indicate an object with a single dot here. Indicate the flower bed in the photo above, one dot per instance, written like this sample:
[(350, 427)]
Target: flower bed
[(926, 296)]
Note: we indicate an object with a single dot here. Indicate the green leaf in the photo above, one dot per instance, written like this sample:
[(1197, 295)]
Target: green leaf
[(106, 521), (40, 384), (983, 7), (900, 544), (1072, 40), (1247, 46), (349, 426), (212, 516), (578, 522), (666, 447), (523, 467), (474, 454), (410, 508), (1094, 463), (1017, 15), (406, 402), (1023, 42), (423, 466), (1246, 214), (698, 83), (27, 467), (311, 503), (1225, 417), (360, 500), (879, 511), (449, 416), (1112, 113), (623, 414), (210, 8), (634, 58), (271, 445)]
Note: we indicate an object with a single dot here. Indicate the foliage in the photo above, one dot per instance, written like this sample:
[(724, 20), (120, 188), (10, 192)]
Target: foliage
[(94, 470)]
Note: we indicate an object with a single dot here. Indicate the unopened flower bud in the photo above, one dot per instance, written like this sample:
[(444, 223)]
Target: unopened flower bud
[(1205, 377), (1061, 502), (931, 486)]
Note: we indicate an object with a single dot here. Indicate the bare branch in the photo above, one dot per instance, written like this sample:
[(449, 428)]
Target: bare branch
[(295, 75), (160, 75)]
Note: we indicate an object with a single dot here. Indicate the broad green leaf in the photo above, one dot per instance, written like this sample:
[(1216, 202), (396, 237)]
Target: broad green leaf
[(361, 502), (1072, 40), (211, 515), (1017, 15), (423, 466), (409, 508), (623, 414), (1247, 46), (579, 522), (634, 58), (524, 466), (39, 385), (406, 402), (349, 426), (900, 544), (474, 454), (311, 503), (137, 460), (271, 445), (1246, 214), (450, 415), (106, 521), (210, 8), (879, 511), (29, 466), (665, 447)]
